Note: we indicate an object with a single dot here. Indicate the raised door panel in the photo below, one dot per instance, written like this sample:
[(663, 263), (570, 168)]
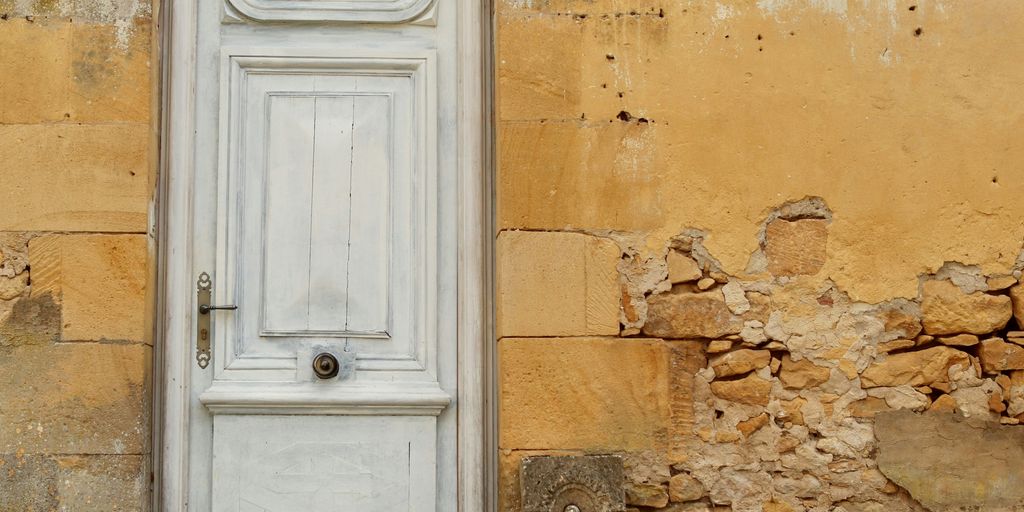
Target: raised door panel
[(328, 212), (324, 463)]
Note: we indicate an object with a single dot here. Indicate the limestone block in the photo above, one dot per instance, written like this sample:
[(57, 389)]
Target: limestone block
[(918, 368), (686, 358), (946, 309), (740, 361), (70, 177), (100, 281), (997, 355), (750, 390), (1017, 297), (557, 284), (103, 482), (682, 268), (583, 393), (553, 175), (531, 88), (683, 487), (795, 247), (83, 398), (690, 315), (33, 84), (110, 72), (802, 374), (646, 495), (976, 472), (72, 71)]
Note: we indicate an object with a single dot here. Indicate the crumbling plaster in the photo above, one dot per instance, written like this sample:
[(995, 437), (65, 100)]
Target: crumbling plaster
[(655, 117)]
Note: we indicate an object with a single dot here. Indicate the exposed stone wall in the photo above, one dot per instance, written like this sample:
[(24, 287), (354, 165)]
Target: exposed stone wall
[(77, 153)]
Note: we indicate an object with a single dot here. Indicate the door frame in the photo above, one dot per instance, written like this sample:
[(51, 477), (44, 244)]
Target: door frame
[(477, 416)]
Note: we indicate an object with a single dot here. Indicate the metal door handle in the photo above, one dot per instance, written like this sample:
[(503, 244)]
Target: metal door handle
[(204, 289), (206, 308)]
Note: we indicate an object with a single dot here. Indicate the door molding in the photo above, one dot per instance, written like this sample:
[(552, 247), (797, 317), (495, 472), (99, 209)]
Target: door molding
[(175, 284)]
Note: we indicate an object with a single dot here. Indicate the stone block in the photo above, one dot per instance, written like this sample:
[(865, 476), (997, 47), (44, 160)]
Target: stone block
[(103, 482), (111, 72), (686, 358), (750, 390), (64, 177), (75, 398), (690, 315), (531, 88), (583, 393), (919, 368), (802, 374), (100, 282), (997, 355), (82, 483), (949, 463), (67, 70), (946, 309), (34, 72), (557, 284), (553, 175), (795, 247)]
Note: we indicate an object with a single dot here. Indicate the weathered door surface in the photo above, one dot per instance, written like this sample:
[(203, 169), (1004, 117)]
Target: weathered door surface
[(324, 210)]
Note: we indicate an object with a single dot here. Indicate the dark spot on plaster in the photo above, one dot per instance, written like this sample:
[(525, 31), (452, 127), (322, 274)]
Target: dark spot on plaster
[(643, 120), (661, 13), (621, 94), (624, 116), (4, 16), (580, 16), (792, 33), (719, 414), (912, 8), (604, 86), (995, 179), (609, 57), (918, 31), (759, 37), (760, 48), (30, 19)]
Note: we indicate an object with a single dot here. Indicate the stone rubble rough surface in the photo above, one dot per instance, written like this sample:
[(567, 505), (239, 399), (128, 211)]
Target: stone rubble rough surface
[(946, 309)]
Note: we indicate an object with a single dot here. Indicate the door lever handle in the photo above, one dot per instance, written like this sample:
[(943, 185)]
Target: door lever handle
[(206, 308), (204, 289)]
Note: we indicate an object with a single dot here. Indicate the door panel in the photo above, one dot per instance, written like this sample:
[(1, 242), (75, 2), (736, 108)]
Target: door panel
[(328, 176), (353, 463)]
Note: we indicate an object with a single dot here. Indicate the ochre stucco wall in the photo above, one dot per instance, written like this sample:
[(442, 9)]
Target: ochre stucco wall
[(912, 139), (77, 167), (753, 247)]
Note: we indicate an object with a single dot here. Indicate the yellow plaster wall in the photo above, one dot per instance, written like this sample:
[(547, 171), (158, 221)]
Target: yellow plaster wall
[(907, 122)]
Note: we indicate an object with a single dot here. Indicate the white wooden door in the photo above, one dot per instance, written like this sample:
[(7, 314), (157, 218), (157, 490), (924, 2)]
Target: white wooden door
[(324, 205)]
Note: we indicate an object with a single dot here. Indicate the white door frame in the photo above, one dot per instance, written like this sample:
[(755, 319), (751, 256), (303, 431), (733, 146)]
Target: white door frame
[(175, 282)]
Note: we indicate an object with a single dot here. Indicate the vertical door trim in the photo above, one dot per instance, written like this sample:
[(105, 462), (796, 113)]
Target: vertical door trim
[(477, 465)]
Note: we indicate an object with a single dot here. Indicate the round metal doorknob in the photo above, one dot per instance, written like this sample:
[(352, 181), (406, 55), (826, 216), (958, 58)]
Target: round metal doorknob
[(325, 365)]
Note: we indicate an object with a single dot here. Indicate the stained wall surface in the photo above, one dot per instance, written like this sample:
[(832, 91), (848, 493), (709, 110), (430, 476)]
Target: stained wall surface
[(738, 240), (77, 154)]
